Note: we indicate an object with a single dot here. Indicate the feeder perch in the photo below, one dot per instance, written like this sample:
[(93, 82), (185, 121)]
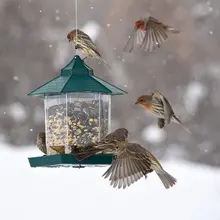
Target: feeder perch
[(77, 112)]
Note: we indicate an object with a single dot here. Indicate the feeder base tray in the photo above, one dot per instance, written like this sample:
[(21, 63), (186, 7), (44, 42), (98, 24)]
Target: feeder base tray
[(68, 160)]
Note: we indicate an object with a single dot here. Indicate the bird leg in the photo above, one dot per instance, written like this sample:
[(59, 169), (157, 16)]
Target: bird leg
[(161, 122)]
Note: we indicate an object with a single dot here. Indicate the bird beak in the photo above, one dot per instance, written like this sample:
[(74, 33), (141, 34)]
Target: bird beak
[(137, 102)]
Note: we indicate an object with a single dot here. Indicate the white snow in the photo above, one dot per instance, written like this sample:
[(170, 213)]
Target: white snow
[(214, 70), (92, 28), (15, 78), (153, 134), (196, 92), (201, 10), (57, 18), (67, 193), (17, 111)]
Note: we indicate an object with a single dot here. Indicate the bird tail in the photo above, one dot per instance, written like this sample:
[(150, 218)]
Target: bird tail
[(173, 30), (177, 121), (167, 180), (105, 62)]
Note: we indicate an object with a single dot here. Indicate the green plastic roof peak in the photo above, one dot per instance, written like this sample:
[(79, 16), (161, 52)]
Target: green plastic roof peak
[(76, 76), (76, 66)]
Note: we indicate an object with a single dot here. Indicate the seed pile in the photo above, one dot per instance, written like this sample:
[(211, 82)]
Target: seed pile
[(78, 123)]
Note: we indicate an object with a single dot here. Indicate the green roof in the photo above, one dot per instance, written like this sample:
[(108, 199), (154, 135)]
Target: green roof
[(76, 77)]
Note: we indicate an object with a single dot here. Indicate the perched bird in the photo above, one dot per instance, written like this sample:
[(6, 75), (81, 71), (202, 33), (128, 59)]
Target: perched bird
[(102, 147), (131, 162), (148, 34), (83, 152), (160, 107), (41, 142), (84, 44)]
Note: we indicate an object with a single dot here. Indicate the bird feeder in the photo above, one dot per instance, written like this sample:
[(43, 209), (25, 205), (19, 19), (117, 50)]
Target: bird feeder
[(77, 112)]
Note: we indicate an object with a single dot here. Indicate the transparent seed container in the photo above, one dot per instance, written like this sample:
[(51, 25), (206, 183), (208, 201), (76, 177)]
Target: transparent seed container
[(76, 119)]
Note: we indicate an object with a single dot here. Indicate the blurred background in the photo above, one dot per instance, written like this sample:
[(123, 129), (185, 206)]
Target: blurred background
[(185, 69)]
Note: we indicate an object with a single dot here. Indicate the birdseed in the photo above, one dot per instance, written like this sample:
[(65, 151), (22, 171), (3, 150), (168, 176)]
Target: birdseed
[(77, 123)]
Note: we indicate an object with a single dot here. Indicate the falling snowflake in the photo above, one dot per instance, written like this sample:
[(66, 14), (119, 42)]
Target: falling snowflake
[(16, 78), (153, 134)]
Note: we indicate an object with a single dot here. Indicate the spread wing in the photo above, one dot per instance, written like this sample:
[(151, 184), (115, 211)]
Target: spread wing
[(156, 34), (136, 38), (129, 166)]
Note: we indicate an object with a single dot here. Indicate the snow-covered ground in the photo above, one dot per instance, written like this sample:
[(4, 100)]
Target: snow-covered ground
[(66, 193)]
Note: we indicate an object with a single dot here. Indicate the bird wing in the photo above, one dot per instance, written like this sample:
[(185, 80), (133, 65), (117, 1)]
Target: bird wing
[(167, 109), (136, 38), (92, 150), (88, 41), (156, 34), (129, 166)]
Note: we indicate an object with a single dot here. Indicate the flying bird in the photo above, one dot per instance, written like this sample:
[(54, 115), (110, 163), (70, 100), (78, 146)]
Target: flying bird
[(148, 34), (160, 107), (85, 45), (131, 162)]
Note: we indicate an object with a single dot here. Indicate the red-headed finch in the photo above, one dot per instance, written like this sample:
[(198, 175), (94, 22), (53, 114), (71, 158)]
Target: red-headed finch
[(148, 34), (160, 107)]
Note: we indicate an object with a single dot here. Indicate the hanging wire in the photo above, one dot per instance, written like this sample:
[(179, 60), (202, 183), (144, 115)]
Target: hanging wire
[(76, 20), (76, 17)]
